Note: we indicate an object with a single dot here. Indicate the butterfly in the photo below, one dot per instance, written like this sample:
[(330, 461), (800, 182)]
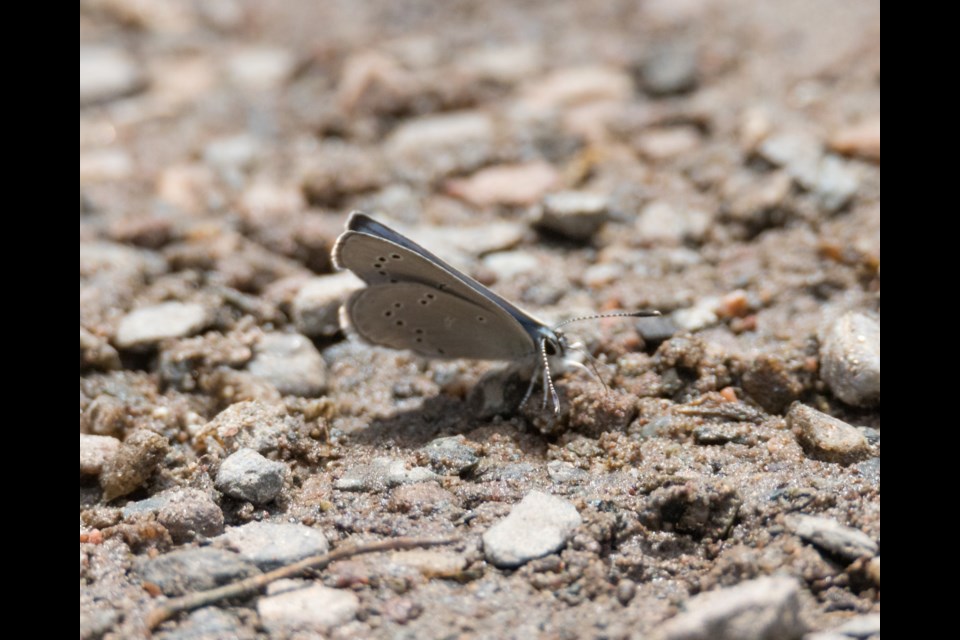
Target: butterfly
[(414, 300)]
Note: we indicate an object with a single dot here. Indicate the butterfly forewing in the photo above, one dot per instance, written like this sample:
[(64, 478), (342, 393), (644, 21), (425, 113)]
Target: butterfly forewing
[(434, 323)]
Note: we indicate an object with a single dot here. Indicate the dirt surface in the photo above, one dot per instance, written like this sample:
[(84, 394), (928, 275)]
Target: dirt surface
[(717, 160)]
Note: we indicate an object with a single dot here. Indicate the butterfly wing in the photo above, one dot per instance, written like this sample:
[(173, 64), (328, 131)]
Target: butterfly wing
[(434, 323), (379, 255)]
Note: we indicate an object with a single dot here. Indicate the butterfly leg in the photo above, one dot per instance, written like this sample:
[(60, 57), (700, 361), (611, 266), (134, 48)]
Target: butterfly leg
[(548, 380), (530, 387)]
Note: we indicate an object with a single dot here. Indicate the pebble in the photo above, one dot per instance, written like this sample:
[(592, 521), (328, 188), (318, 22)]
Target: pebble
[(539, 525), (247, 475), (149, 325), (773, 382), (667, 143), (702, 508), (232, 152), (657, 329), (107, 73), (186, 513), (291, 363), (566, 473), (873, 570), (850, 359), (863, 626), (576, 86), (316, 307), (430, 563), (438, 145), (508, 184), (261, 68), (311, 610), (669, 70), (186, 570), (451, 455), (597, 276), (507, 265), (576, 215), (209, 623), (380, 474), (96, 352), (759, 609), (250, 424), (135, 461), (826, 438), (701, 315), (270, 545), (831, 536), (835, 184), (861, 140), (95, 451), (797, 152), (662, 223)]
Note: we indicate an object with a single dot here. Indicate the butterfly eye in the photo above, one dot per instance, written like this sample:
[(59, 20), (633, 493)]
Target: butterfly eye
[(551, 347)]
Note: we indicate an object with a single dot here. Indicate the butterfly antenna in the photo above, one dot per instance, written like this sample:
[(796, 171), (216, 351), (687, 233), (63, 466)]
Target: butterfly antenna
[(647, 313), (548, 380)]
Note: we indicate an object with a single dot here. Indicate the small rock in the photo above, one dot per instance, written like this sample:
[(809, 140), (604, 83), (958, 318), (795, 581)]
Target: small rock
[(752, 199), (107, 73), (575, 86), (661, 223), (798, 153), (149, 325), (95, 451), (861, 140), (701, 315), (774, 382), (422, 497), (96, 352), (824, 437), (655, 330), (833, 537), (863, 626), (269, 545), (187, 570), (669, 70), (762, 609), (247, 475), (97, 622), (667, 143), (186, 513), (312, 609), (576, 215), (835, 184), (850, 359), (538, 526), (626, 589), (700, 508), (381, 474), (135, 461), (316, 307), (232, 152), (291, 363), (439, 145), (341, 170), (507, 265), (261, 67), (246, 425), (512, 185), (209, 623), (432, 564), (597, 276), (451, 456), (716, 434), (566, 473)]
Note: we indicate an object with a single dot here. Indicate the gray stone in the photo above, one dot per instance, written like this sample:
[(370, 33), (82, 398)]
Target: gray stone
[(762, 609), (186, 570), (566, 473), (701, 315), (831, 536), (316, 307), (437, 145), (538, 526), (451, 456), (656, 329), (246, 425), (186, 513), (261, 67), (850, 359), (149, 325), (95, 623), (232, 152), (798, 153), (291, 363), (576, 215), (133, 464), (209, 623), (312, 609), (507, 265), (270, 545), (669, 70), (824, 437), (835, 183), (873, 570), (107, 73), (380, 474), (861, 626), (247, 475), (663, 223), (95, 451)]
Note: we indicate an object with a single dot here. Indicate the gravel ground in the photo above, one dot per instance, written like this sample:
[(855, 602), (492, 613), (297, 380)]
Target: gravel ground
[(718, 160)]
